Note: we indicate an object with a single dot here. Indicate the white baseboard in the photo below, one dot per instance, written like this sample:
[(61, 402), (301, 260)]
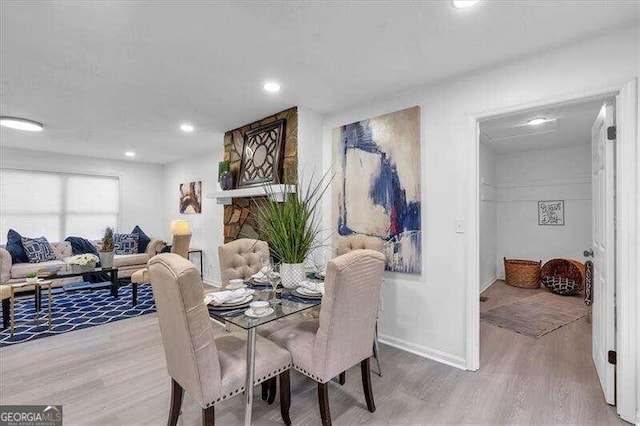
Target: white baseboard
[(433, 354), (486, 285)]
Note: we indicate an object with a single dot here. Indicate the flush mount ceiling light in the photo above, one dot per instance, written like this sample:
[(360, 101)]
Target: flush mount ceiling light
[(463, 4), (130, 154), (21, 124), (271, 86), (186, 127), (537, 121)]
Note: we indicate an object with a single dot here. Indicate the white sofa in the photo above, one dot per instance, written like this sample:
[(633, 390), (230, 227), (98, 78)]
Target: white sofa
[(127, 264)]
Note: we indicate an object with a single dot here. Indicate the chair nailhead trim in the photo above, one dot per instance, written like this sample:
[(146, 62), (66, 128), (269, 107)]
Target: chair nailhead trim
[(255, 382)]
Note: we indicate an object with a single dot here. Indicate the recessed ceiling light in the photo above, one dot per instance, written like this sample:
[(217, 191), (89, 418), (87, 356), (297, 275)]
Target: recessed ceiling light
[(463, 4), (130, 154), (536, 121), (271, 86), (21, 124), (186, 127)]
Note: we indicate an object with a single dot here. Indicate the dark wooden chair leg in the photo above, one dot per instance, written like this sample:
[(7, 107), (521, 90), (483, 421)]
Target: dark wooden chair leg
[(177, 394), (5, 313), (342, 378), (272, 384), (208, 416), (323, 399), (134, 294), (365, 368), (264, 390), (285, 397)]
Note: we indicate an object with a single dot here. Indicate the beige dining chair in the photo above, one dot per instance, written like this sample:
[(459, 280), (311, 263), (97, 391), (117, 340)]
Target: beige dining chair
[(241, 258), (343, 335), (360, 242), (211, 369), (179, 246)]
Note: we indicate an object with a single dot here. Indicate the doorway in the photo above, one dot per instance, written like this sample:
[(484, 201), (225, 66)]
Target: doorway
[(546, 185)]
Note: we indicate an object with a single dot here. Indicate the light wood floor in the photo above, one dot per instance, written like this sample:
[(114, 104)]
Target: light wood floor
[(114, 374)]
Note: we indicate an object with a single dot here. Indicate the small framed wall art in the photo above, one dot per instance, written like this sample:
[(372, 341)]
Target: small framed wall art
[(551, 213), (191, 197)]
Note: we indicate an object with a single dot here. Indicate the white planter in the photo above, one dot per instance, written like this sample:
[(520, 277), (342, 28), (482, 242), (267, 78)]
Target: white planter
[(77, 269), (106, 259), (292, 274), (32, 280)]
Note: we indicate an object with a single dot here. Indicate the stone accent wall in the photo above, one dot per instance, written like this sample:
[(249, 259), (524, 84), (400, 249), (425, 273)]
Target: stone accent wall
[(238, 218)]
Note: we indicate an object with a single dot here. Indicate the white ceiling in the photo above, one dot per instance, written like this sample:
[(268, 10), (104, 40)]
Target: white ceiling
[(111, 76), (568, 125)]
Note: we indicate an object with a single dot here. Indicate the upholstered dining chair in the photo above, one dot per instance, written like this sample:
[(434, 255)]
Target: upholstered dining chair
[(360, 242), (179, 246), (211, 369), (343, 335), (241, 258)]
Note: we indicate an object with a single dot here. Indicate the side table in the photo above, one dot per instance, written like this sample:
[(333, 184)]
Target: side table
[(38, 289), (199, 251)]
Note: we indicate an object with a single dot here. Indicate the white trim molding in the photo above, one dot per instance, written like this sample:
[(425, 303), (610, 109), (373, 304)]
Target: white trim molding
[(423, 351), (628, 252), (486, 285)]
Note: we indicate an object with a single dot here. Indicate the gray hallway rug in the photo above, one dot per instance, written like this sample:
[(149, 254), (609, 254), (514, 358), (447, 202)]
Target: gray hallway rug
[(537, 315)]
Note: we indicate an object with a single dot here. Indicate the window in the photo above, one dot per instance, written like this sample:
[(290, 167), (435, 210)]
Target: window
[(57, 205)]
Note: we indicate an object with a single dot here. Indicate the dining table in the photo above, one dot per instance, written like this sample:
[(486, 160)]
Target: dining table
[(288, 304)]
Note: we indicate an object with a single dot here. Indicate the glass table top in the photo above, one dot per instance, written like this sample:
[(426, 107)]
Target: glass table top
[(288, 305)]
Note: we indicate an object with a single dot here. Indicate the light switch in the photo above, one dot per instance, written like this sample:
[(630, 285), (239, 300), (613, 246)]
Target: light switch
[(460, 228)]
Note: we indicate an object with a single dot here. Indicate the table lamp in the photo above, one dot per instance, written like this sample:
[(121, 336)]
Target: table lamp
[(179, 227)]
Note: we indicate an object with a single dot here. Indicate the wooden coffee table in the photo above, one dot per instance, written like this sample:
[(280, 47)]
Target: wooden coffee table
[(38, 288)]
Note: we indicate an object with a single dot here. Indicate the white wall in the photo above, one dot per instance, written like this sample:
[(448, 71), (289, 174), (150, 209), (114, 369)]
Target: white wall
[(141, 185), (488, 217), (427, 314), (525, 178), (207, 227)]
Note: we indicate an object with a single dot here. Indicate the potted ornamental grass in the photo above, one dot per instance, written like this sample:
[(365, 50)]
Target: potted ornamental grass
[(32, 278), (106, 249), (291, 227)]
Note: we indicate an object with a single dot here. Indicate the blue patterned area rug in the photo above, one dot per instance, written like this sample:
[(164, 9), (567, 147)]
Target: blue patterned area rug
[(76, 310)]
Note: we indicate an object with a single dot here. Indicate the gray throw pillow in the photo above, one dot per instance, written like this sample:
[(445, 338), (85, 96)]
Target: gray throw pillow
[(125, 243), (38, 249)]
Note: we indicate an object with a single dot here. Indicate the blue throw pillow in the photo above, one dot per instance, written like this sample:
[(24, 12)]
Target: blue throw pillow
[(125, 243), (14, 247), (143, 239), (38, 249)]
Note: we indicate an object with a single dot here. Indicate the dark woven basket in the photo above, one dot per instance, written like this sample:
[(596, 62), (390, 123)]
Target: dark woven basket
[(522, 273), (565, 268)]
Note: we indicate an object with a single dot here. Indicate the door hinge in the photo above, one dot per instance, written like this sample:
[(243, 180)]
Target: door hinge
[(613, 358), (612, 133)]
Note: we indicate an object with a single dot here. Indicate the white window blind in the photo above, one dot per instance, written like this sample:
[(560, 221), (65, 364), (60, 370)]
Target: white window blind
[(57, 205)]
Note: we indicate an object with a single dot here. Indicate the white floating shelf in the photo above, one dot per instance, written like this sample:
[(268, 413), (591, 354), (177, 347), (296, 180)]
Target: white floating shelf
[(276, 192)]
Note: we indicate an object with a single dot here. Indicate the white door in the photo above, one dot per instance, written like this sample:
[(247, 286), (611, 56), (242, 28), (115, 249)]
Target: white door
[(603, 240)]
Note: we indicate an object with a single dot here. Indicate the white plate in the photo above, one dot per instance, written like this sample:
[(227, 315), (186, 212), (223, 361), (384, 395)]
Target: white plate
[(236, 302), (308, 292), (235, 286), (249, 312)]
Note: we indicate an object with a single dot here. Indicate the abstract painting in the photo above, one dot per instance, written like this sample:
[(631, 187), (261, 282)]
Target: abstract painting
[(191, 198), (551, 213), (376, 190)]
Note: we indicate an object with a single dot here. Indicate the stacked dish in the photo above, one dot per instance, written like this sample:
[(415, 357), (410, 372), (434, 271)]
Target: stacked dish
[(227, 300)]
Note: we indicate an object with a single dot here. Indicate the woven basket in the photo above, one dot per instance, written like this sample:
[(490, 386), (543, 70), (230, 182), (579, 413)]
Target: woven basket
[(522, 273), (565, 268)]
